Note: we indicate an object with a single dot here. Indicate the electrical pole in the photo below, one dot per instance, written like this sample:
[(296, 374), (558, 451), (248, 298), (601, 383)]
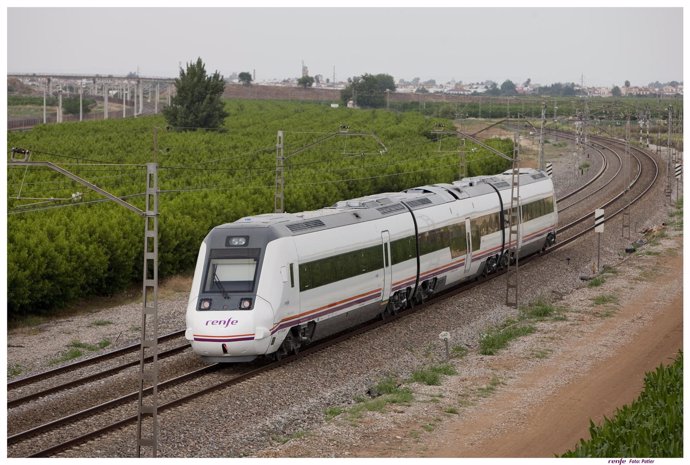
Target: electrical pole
[(462, 171), (105, 100), (148, 370), (541, 136), (584, 126), (514, 239), (279, 198), (141, 99), (45, 91), (669, 160), (81, 94), (59, 113), (628, 159)]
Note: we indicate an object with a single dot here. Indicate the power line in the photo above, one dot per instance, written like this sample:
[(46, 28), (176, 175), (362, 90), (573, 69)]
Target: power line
[(20, 210)]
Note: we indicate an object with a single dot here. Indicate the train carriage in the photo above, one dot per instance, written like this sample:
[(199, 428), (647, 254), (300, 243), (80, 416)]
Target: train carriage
[(269, 284)]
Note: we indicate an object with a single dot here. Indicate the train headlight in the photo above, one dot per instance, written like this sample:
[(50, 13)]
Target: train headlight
[(205, 304), (236, 241), (245, 304)]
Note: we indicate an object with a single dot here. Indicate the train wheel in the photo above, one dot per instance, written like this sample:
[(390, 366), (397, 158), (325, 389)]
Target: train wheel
[(390, 310), (289, 346), (491, 265), (505, 259)]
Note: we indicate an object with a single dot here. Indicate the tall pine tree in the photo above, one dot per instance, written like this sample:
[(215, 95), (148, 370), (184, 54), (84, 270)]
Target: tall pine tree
[(197, 103)]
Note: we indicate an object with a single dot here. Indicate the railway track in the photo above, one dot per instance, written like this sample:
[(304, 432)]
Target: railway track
[(50, 438)]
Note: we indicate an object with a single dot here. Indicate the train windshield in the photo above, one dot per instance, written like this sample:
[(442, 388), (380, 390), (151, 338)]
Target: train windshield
[(227, 273)]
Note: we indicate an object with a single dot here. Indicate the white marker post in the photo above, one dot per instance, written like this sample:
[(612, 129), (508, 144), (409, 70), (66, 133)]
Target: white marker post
[(445, 336), (549, 169), (599, 229)]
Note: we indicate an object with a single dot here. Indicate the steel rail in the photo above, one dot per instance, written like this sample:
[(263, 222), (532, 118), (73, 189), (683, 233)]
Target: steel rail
[(23, 381), (93, 377)]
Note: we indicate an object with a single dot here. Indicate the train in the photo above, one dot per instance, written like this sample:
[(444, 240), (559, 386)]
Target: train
[(269, 284)]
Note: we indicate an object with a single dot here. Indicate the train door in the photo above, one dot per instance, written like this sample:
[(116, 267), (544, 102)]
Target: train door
[(387, 266), (468, 241)]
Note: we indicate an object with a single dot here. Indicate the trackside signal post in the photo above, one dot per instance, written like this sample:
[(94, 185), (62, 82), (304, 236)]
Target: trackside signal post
[(599, 229), (148, 361)]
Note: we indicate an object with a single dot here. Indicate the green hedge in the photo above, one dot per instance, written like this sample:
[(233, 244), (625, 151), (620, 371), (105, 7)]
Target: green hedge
[(652, 426), (206, 178)]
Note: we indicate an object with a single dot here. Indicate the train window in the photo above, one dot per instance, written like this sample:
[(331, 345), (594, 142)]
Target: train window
[(230, 275), (339, 267), (458, 240), (292, 275), (231, 270), (476, 235), (403, 249)]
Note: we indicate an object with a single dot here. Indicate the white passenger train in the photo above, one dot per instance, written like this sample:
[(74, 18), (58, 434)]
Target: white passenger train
[(269, 284)]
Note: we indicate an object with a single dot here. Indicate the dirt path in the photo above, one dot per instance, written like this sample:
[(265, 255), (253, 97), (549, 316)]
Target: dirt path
[(563, 418)]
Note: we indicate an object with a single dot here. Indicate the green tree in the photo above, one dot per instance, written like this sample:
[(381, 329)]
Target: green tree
[(369, 90), (627, 83), (197, 103), (493, 89), (306, 81), (245, 78), (70, 105), (508, 88), (616, 91)]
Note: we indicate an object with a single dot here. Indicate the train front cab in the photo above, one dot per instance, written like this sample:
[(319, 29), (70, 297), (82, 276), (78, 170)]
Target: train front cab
[(228, 319)]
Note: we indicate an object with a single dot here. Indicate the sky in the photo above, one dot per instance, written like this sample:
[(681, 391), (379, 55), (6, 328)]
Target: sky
[(597, 46)]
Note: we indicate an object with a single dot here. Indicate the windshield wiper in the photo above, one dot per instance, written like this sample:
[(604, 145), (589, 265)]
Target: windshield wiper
[(217, 282)]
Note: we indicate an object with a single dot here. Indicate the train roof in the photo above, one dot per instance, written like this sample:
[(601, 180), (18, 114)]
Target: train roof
[(376, 206)]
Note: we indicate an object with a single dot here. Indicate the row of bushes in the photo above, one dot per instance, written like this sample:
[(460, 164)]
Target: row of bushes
[(206, 178), (652, 426)]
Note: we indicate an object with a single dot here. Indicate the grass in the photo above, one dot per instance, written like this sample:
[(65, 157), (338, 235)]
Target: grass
[(497, 339), (538, 310), (608, 269), (541, 353), (431, 376), (490, 388), (14, 370), (596, 282), (76, 349), (458, 351), (101, 323), (646, 275), (451, 411), (605, 299), (402, 396), (677, 215), (282, 439), (332, 412), (387, 391)]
